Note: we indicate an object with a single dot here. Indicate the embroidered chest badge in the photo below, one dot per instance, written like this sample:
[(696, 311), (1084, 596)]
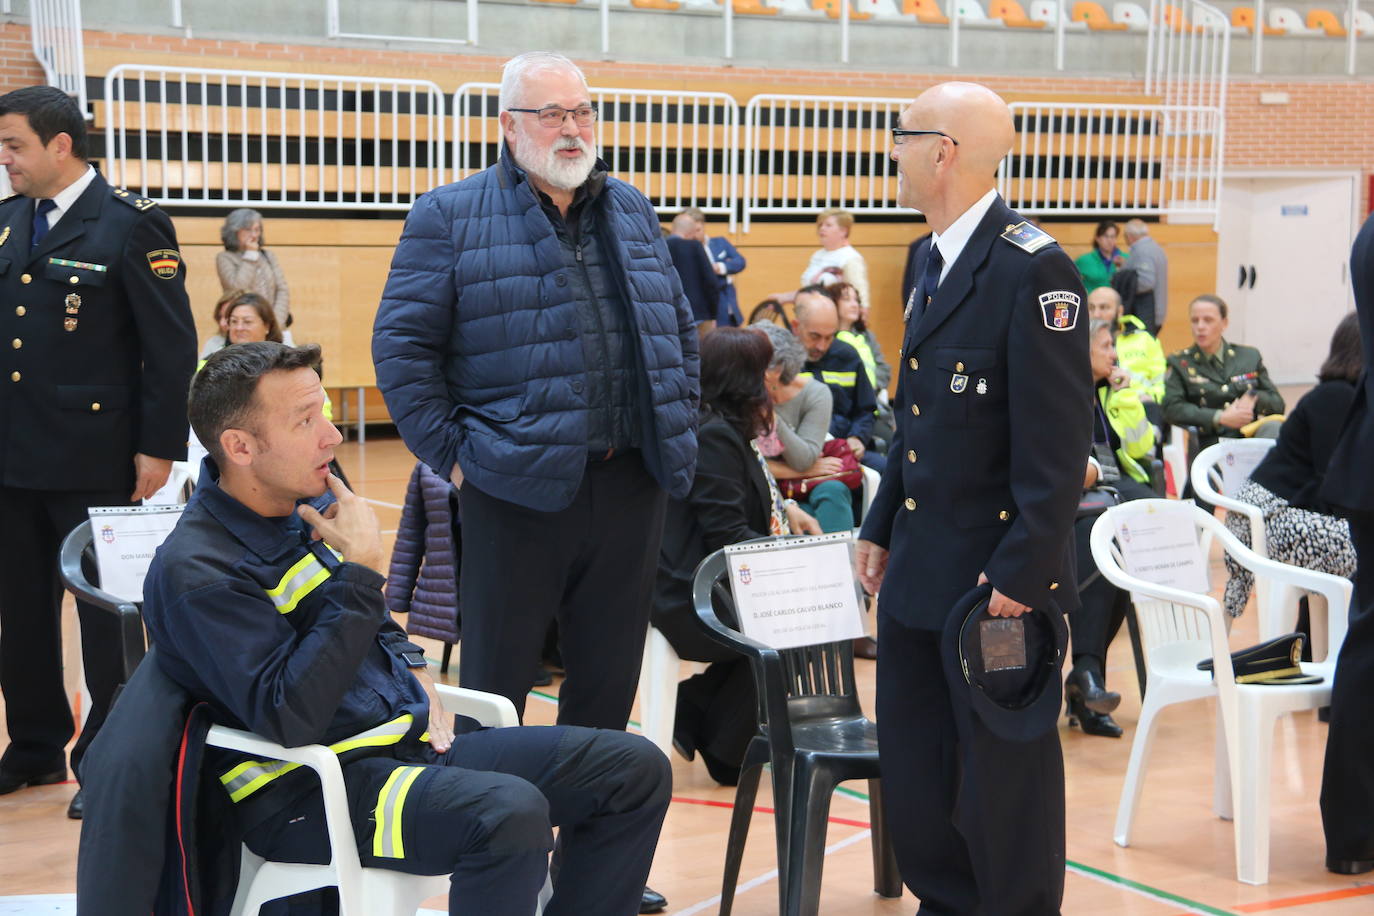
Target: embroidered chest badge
[(958, 383), (1060, 309)]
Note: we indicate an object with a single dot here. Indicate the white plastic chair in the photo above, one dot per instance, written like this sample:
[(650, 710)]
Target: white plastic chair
[(1215, 482), (658, 675), (1180, 628), (362, 891), (1132, 15), (1290, 21), (1175, 455), (1046, 10), (1364, 23)]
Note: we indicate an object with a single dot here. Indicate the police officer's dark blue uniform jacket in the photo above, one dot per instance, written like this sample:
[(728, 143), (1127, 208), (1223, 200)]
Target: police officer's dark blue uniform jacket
[(482, 348), (1000, 356), (84, 390), (842, 370), (281, 638)]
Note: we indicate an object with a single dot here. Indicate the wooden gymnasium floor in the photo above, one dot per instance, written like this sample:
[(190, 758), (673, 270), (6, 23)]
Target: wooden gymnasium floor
[(1182, 860)]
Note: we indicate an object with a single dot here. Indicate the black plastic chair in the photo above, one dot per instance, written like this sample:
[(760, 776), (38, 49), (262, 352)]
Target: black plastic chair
[(77, 565), (815, 735)]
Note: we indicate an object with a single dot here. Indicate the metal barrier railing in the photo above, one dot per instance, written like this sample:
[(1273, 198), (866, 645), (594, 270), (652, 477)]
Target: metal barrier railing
[(679, 148), (1102, 159), (803, 153), (303, 140), (58, 44)]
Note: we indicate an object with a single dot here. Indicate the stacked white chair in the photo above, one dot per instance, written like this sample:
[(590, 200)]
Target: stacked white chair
[(1180, 628)]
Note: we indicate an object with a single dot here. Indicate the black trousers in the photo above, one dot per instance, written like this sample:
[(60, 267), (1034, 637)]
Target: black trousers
[(590, 566), (484, 811), (982, 819), (32, 526), (1102, 606), (1347, 798)]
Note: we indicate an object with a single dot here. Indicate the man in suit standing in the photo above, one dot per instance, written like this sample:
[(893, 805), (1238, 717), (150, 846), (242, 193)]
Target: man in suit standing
[(994, 412), (92, 405), (693, 265), (1348, 781)]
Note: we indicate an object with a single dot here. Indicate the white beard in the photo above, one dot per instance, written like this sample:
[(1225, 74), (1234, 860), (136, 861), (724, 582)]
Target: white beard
[(549, 167)]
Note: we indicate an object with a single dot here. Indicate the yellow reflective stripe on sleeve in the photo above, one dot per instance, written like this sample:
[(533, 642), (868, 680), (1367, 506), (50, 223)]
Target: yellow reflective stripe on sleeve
[(302, 578), (251, 775), (843, 379), (387, 841)]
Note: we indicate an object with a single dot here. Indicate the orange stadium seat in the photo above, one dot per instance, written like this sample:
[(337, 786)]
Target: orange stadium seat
[(1095, 17), (1326, 21), (832, 9), (1011, 13), (925, 11), (555, 1), (656, 4), (1176, 19), (752, 8), (1244, 17)]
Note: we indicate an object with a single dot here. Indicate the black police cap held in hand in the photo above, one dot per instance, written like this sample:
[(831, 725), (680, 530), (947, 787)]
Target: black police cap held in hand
[(1010, 666)]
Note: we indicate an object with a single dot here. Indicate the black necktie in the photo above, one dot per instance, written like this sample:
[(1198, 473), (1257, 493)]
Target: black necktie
[(40, 221), (929, 283)]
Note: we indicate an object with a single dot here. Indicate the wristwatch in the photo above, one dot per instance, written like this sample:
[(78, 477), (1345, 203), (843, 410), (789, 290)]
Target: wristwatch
[(415, 659)]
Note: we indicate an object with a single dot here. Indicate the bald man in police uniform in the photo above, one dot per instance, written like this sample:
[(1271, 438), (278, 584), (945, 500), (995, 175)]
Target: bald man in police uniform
[(994, 414), (99, 346)]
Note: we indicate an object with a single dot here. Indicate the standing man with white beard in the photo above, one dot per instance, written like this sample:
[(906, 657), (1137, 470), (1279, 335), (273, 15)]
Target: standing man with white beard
[(534, 346)]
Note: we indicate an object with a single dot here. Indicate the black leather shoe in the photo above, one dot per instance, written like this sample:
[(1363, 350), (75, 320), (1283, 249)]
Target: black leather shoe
[(78, 806), (543, 677), (652, 901), (866, 647), (1087, 686), (1092, 722), (1349, 866), (11, 781)]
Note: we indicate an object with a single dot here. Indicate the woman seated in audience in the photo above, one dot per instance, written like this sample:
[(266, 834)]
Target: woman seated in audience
[(1300, 528), (246, 264), (251, 319), (1217, 386), (1099, 265), (220, 340), (1122, 439), (854, 331), (836, 260), (733, 498), (794, 444), (770, 311)]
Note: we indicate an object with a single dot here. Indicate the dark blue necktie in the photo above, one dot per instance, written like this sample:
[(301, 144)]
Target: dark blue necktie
[(40, 221), (935, 263)]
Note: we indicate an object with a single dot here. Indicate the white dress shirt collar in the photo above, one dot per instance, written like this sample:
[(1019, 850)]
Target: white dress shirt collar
[(65, 198), (952, 241)]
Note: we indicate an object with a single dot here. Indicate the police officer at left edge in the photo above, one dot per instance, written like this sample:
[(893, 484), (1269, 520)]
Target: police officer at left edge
[(97, 347)]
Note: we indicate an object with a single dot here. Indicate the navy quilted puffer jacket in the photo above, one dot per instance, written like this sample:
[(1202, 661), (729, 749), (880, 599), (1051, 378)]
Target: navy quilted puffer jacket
[(476, 341), (423, 579)]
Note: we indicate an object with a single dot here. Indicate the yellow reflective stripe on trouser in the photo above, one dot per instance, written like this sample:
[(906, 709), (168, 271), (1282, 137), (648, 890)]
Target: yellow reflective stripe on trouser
[(304, 576), (843, 379), (386, 838), (251, 775)]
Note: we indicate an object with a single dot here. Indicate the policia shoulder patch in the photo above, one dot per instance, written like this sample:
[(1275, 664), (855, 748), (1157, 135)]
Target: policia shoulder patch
[(164, 262)]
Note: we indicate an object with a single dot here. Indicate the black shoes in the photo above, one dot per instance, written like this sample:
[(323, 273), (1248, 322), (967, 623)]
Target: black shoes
[(11, 781), (78, 806), (866, 647), (1349, 866), (1086, 687), (1091, 721), (652, 901)]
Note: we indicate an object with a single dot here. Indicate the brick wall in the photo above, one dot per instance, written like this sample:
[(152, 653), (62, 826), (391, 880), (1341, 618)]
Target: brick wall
[(17, 64), (1326, 123)]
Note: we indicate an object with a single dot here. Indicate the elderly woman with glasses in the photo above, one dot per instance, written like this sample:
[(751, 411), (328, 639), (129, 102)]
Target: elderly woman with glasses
[(246, 264)]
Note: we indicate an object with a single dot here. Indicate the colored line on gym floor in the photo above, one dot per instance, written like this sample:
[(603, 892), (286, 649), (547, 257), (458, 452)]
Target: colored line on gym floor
[(760, 809), (1097, 874), (1283, 903)]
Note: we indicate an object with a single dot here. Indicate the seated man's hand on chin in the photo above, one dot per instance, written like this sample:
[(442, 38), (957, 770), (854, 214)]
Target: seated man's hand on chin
[(349, 526)]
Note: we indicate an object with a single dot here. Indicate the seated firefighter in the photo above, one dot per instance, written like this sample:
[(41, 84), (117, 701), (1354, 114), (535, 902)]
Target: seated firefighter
[(266, 603)]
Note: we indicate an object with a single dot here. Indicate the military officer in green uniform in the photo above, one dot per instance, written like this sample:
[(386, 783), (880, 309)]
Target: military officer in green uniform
[(1215, 385), (97, 354)]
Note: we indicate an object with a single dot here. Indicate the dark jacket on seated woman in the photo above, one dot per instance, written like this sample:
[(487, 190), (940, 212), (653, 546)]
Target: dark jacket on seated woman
[(1296, 466), (729, 502)]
